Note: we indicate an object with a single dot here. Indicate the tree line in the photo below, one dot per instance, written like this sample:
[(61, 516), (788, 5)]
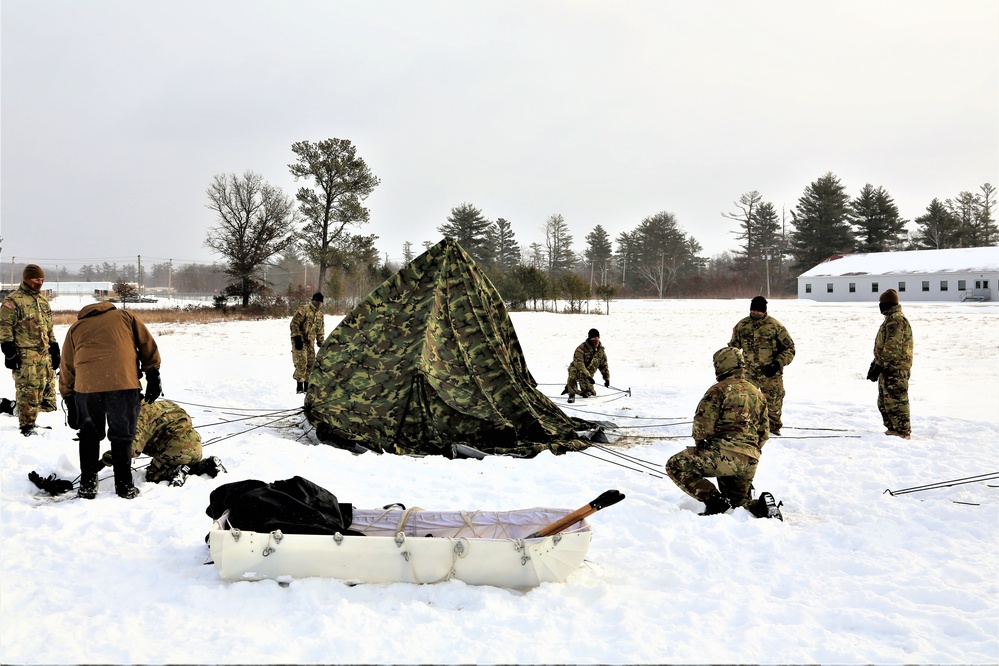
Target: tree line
[(273, 244)]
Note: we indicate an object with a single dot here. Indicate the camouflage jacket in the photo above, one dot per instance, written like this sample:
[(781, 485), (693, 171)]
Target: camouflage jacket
[(893, 345), (308, 324), (587, 359), (160, 422), (762, 341), (26, 319), (733, 415)]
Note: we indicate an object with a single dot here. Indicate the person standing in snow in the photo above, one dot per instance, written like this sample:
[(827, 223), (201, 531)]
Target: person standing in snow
[(767, 347), (29, 347), (892, 365), (730, 429), (307, 325), (104, 354), (164, 431), (589, 357)]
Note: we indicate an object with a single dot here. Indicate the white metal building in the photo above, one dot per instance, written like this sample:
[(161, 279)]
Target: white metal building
[(958, 274)]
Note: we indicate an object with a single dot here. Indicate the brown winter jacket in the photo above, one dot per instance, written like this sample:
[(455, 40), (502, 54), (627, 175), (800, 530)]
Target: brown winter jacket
[(103, 350)]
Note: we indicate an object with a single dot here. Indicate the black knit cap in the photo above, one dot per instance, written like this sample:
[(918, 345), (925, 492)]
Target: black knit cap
[(594, 333), (318, 297), (758, 304)]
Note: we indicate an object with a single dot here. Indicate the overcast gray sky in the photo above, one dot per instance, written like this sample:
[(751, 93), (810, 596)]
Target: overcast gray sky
[(117, 113)]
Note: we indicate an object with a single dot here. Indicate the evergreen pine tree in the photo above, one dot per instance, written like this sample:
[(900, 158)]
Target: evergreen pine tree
[(822, 223), (879, 228), (938, 228), (470, 229)]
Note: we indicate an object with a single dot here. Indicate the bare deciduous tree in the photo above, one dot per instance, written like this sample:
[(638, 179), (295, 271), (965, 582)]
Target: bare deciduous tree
[(255, 222)]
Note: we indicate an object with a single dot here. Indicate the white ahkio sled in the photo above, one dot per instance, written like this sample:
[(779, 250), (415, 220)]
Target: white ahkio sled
[(514, 549)]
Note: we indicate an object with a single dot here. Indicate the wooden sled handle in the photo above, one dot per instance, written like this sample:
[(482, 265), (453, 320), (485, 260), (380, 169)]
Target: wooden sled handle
[(605, 499)]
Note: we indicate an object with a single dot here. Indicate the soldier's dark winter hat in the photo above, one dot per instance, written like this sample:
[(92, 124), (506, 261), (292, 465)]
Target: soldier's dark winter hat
[(758, 304), (318, 297), (889, 297), (33, 272), (594, 333)]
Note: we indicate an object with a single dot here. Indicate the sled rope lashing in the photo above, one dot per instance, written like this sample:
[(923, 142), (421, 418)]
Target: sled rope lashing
[(467, 519), (400, 527)]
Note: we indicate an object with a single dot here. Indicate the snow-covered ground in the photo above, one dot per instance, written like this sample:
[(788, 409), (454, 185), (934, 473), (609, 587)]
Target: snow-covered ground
[(853, 575)]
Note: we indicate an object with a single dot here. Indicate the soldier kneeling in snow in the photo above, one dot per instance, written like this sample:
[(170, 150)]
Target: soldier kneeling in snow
[(165, 432), (730, 428)]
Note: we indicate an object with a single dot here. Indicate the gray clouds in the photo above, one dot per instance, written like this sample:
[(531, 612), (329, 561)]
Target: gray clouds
[(116, 114)]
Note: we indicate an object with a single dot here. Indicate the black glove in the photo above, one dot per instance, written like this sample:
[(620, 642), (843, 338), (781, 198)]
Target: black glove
[(11, 355), (874, 371), (298, 343), (72, 416), (153, 386), (55, 355), (771, 369), (50, 484), (607, 383)]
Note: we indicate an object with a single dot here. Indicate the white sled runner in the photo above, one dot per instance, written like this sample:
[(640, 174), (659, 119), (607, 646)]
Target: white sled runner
[(496, 548)]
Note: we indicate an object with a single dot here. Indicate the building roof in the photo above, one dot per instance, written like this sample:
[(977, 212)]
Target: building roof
[(957, 260)]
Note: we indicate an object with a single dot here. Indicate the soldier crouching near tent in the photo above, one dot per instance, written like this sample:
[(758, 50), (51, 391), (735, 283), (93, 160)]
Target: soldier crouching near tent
[(307, 325), (164, 431), (730, 428), (589, 357)]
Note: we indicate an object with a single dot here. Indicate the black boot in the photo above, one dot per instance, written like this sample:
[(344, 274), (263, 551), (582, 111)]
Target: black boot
[(714, 505), (121, 454), (88, 487), (179, 476), (89, 464), (299, 387), (766, 507), (210, 466)]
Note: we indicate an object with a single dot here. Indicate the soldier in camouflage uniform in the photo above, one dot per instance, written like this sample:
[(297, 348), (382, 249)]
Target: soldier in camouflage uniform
[(307, 325), (730, 429), (892, 366), (29, 347), (589, 357), (165, 432), (767, 348)]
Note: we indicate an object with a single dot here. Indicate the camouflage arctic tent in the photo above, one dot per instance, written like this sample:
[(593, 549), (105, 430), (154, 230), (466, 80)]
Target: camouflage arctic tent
[(429, 363)]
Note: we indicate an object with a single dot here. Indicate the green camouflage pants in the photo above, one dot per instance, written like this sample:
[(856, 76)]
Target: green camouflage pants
[(169, 449), (580, 383), (893, 401), (734, 471), (304, 359), (772, 389), (35, 386)]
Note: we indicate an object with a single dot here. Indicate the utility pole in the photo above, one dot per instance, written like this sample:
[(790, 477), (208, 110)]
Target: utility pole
[(766, 256)]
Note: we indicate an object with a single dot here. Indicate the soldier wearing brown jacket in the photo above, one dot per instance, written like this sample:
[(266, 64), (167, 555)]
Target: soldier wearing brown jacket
[(105, 351)]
